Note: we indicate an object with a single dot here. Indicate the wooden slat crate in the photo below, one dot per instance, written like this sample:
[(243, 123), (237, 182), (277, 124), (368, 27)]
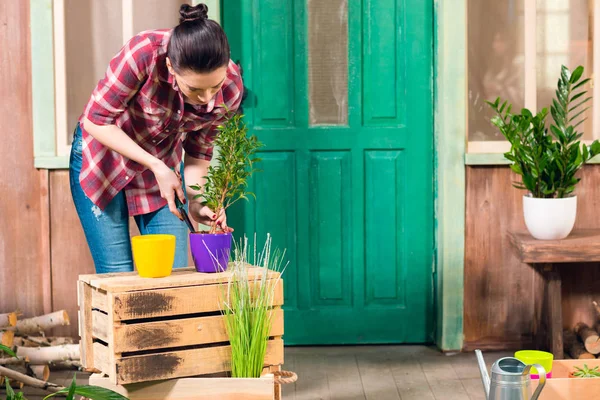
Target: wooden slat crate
[(137, 329)]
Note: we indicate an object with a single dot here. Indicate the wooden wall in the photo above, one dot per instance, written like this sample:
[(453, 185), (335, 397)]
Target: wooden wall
[(502, 295), (24, 252)]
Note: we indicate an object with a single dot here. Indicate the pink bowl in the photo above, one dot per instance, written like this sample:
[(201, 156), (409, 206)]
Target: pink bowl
[(548, 375)]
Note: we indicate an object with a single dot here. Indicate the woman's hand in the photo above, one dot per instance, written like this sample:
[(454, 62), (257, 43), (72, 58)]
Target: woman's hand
[(170, 186), (203, 214)]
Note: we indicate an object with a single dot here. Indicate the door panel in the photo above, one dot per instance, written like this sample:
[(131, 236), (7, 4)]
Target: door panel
[(340, 93)]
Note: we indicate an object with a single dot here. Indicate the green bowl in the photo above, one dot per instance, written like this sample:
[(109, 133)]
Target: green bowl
[(536, 357)]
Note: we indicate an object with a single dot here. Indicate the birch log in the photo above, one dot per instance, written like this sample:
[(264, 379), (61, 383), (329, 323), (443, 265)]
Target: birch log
[(14, 361), (9, 319), (41, 323), (29, 381), (7, 338), (45, 355), (40, 341)]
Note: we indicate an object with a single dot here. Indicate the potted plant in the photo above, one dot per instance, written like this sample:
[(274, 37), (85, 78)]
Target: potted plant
[(548, 158), (226, 183), (247, 307)]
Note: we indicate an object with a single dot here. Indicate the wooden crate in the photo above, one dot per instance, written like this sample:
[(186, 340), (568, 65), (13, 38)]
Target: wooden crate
[(561, 387), (194, 388), (137, 329)]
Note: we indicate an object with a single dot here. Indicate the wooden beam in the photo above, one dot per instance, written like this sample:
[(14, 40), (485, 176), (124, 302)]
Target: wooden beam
[(45, 251)]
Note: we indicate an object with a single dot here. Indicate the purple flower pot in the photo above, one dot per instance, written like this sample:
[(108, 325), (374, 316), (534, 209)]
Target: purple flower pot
[(210, 251)]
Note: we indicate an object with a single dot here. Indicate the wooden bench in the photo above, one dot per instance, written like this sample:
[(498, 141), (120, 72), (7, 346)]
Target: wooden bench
[(582, 246)]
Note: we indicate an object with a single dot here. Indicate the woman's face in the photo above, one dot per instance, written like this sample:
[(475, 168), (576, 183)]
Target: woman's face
[(199, 88)]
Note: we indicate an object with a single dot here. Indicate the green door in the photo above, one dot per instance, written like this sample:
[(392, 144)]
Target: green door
[(340, 93)]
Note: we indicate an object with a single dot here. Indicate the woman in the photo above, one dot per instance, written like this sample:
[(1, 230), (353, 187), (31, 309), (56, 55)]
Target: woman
[(166, 90)]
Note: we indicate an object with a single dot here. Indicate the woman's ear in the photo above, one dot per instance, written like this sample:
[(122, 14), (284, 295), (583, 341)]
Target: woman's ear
[(170, 67)]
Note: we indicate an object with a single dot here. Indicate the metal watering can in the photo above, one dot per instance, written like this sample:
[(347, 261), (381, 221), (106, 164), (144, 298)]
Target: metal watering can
[(510, 379)]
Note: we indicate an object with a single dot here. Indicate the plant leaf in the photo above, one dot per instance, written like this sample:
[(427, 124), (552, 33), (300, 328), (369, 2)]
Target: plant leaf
[(7, 350), (576, 74)]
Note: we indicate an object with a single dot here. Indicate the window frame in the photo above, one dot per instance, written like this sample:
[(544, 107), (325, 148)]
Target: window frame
[(492, 152)]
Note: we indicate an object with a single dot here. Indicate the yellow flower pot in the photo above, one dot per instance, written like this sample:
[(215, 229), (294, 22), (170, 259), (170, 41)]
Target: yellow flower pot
[(153, 255)]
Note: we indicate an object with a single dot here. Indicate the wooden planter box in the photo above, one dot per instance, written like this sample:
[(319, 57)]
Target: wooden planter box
[(137, 329), (195, 388), (561, 387)]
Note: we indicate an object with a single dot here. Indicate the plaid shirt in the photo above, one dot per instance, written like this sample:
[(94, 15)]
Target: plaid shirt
[(139, 95)]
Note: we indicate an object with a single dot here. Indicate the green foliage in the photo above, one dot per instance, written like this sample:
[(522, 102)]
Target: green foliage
[(586, 372), (7, 350), (90, 392), (548, 159), (247, 308), (226, 182)]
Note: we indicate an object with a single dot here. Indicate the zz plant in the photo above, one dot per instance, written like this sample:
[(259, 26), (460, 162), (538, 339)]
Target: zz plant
[(227, 181), (548, 158)]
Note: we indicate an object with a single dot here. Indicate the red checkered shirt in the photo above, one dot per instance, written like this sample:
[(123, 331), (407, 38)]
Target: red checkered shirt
[(139, 95)]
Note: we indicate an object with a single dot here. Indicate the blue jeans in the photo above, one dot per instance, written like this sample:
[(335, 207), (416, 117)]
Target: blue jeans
[(107, 232)]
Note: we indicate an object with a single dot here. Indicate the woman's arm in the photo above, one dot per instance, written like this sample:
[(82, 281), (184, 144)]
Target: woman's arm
[(115, 139), (195, 171)]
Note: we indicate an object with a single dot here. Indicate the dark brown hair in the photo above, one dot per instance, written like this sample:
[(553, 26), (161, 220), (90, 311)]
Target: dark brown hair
[(197, 44)]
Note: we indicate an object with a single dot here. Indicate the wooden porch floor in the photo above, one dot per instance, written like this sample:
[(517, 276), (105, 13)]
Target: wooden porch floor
[(369, 373)]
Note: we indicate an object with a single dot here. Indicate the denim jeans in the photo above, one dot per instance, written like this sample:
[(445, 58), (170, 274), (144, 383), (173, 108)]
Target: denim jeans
[(107, 232)]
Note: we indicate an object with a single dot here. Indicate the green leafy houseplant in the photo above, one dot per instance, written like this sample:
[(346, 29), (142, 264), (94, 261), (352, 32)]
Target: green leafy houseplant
[(586, 372), (88, 391), (227, 181), (547, 159), (247, 308)]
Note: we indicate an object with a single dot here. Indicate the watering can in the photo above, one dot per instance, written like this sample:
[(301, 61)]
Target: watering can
[(510, 379)]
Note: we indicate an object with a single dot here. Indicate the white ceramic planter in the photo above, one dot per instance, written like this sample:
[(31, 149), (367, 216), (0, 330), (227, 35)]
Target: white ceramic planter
[(549, 219)]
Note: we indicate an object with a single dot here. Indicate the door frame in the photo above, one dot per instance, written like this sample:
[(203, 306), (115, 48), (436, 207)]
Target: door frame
[(450, 122), (450, 119)]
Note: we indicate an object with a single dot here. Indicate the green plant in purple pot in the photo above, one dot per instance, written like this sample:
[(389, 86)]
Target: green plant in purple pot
[(226, 183)]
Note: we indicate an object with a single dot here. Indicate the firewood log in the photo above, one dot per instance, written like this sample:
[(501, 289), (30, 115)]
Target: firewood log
[(41, 341), (41, 372), (14, 361), (9, 319), (66, 365), (597, 307), (589, 337), (29, 381), (574, 347), (7, 338), (45, 355), (41, 323)]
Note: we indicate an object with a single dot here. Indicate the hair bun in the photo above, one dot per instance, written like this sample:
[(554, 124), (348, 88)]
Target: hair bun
[(193, 13)]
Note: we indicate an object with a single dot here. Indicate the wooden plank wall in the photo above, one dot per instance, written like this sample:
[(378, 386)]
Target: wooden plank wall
[(24, 251), (501, 294)]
